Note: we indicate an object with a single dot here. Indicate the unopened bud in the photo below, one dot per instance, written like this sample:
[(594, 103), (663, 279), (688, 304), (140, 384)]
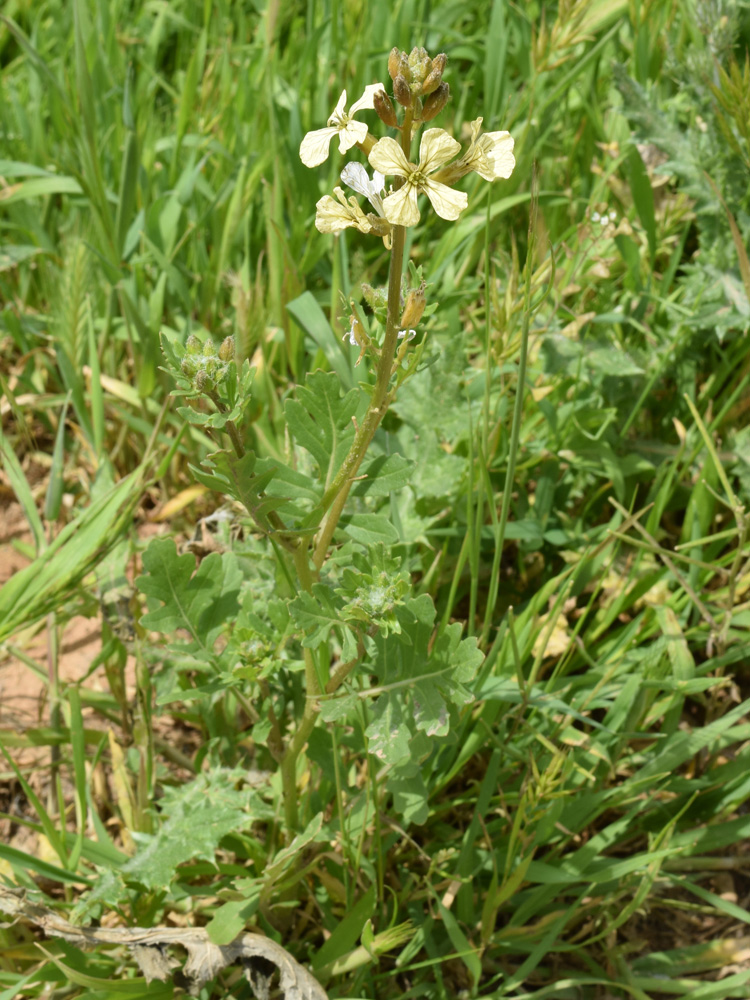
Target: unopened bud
[(402, 91), (419, 64), (433, 78), (376, 298), (203, 381), (209, 349), (415, 303), (188, 366), (394, 62), (226, 351), (435, 102), (384, 109), (193, 344)]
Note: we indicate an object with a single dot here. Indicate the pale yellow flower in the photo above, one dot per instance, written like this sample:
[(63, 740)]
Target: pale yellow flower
[(335, 214), (435, 149), (490, 153), (313, 149)]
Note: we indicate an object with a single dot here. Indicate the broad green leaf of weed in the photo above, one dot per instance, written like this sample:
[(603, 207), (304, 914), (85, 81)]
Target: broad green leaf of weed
[(317, 614), (181, 597), (419, 684), (236, 477), (320, 420), (381, 475), (198, 815)]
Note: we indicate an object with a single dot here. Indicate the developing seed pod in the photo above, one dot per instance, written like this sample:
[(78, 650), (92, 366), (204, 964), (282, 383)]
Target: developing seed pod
[(226, 351), (436, 101), (435, 76), (384, 109), (402, 91), (415, 305)]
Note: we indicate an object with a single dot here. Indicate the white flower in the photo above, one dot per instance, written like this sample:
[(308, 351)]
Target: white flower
[(356, 177), (313, 149), (435, 149), (409, 334), (335, 214), (491, 153)]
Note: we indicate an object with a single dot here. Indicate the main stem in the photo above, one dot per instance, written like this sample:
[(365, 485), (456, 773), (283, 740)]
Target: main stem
[(337, 493), (333, 502)]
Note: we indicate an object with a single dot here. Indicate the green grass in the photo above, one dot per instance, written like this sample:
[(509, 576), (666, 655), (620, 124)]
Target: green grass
[(579, 501)]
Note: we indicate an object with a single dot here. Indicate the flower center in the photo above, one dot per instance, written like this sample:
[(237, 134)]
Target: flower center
[(417, 177)]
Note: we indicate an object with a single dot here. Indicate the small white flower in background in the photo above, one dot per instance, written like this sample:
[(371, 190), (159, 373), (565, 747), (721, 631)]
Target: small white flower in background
[(435, 149), (409, 334), (490, 153), (313, 149), (595, 217), (356, 177), (335, 214)]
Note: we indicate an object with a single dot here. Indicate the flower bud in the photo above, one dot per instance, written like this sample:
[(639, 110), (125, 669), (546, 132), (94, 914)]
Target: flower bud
[(376, 298), (226, 351), (436, 101), (209, 349), (402, 91), (419, 64), (433, 78), (193, 344), (203, 381), (384, 109), (394, 62), (415, 304), (188, 366)]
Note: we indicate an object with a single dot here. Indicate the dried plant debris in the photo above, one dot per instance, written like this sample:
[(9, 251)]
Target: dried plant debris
[(260, 957)]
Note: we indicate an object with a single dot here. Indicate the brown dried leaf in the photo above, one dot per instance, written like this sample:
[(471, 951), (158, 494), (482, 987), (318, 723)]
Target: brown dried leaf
[(205, 959)]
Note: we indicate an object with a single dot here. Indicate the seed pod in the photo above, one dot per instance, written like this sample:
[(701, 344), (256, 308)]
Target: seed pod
[(436, 102), (415, 304), (402, 91), (433, 78), (226, 351), (384, 109)]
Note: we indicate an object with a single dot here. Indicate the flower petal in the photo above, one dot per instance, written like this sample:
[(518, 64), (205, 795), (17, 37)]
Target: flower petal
[(435, 149), (367, 100), (351, 134), (447, 202), (338, 114), (313, 149), (388, 157), (401, 207), (355, 176), (500, 153), (334, 215)]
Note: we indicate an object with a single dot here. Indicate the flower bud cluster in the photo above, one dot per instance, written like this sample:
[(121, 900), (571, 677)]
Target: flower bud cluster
[(417, 77), (204, 365)]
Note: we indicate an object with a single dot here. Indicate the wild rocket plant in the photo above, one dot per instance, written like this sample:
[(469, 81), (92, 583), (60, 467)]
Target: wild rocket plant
[(333, 633)]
